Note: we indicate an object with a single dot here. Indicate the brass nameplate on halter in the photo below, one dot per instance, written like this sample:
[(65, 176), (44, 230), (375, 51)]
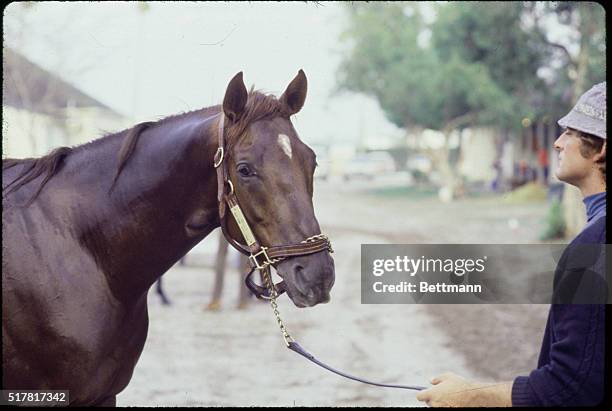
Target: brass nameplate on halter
[(243, 225)]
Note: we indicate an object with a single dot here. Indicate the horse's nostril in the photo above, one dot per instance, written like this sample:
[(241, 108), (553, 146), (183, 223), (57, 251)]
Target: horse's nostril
[(299, 273), (300, 278)]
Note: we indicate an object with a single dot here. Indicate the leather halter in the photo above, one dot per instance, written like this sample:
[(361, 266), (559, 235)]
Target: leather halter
[(260, 257)]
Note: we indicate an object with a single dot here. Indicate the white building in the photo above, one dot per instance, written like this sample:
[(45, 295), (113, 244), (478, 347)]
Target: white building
[(40, 111)]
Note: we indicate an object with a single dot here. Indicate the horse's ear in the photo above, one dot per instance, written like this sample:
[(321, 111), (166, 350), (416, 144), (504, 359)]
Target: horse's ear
[(235, 98), (293, 98)]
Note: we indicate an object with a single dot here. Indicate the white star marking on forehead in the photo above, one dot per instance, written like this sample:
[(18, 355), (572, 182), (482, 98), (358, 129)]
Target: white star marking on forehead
[(285, 143)]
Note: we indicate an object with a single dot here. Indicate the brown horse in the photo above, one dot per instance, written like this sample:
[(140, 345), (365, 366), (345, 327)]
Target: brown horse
[(87, 231)]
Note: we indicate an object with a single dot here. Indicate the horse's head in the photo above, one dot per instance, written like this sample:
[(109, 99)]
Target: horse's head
[(272, 173)]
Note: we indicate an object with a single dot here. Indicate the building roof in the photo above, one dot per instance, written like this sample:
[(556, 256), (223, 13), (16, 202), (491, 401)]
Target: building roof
[(28, 86)]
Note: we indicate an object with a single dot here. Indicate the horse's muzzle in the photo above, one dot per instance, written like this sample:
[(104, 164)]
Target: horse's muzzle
[(308, 279)]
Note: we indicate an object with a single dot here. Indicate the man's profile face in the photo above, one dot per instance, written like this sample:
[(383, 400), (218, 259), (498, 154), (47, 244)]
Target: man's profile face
[(572, 167)]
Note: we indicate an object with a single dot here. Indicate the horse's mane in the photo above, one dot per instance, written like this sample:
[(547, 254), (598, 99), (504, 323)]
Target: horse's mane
[(258, 107), (34, 167)]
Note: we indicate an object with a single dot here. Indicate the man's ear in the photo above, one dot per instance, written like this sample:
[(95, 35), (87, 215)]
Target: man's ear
[(235, 98), (601, 156)]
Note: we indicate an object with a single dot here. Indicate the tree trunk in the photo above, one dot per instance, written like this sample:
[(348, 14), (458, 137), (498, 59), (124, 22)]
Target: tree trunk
[(451, 181), (448, 172)]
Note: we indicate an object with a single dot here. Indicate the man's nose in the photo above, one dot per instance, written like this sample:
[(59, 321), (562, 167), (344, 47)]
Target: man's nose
[(557, 144)]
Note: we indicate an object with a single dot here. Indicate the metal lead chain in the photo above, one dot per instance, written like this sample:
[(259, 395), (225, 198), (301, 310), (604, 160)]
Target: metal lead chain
[(273, 295)]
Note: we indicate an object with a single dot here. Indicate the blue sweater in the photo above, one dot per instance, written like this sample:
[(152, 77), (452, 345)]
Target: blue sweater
[(571, 364)]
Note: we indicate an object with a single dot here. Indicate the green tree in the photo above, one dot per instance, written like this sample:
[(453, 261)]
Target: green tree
[(466, 76), (493, 35)]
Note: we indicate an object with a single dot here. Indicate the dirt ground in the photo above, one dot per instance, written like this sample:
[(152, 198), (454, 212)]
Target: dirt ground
[(232, 357)]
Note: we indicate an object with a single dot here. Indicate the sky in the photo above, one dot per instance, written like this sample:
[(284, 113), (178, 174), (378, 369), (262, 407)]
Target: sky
[(177, 57)]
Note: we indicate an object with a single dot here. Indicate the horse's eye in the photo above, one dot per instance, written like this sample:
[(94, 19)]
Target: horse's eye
[(244, 170)]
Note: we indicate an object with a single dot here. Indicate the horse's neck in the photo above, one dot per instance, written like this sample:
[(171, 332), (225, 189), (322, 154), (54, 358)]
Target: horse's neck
[(140, 229)]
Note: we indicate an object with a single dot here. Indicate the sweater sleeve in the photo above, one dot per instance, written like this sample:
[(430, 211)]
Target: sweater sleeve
[(574, 375)]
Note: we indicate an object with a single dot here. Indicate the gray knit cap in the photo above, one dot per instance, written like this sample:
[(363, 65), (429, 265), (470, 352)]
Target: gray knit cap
[(589, 114)]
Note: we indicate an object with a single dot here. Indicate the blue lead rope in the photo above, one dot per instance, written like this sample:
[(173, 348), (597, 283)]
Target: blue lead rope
[(294, 346)]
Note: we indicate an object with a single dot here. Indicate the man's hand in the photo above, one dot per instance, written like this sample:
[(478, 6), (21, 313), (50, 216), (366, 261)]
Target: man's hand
[(450, 390)]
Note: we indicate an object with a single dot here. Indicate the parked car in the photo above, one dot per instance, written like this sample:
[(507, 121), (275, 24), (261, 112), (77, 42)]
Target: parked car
[(420, 167), (369, 165), (419, 162)]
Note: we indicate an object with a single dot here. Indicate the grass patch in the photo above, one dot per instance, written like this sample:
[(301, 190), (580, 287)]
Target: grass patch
[(555, 223), (404, 191), (530, 192)]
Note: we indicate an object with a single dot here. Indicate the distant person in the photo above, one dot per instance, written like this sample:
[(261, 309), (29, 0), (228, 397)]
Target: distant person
[(571, 363), (523, 171), (496, 183), (543, 162)]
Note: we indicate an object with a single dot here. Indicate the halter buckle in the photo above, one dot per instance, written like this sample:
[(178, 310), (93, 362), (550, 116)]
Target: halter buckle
[(231, 186), (219, 157), (265, 263)]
